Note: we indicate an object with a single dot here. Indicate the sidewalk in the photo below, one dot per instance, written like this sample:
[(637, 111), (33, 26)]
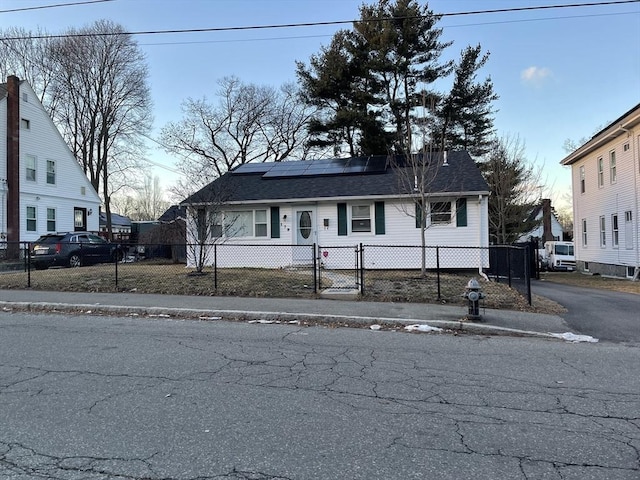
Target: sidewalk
[(494, 322)]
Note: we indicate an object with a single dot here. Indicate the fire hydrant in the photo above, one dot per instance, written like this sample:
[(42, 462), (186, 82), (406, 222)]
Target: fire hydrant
[(473, 292)]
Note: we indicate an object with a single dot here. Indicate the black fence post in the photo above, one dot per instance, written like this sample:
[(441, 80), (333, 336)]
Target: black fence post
[(509, 250), (28, 265), (115, 257), (215, 267), (527, 275), (438, 270), (316, 274), (361, 269)]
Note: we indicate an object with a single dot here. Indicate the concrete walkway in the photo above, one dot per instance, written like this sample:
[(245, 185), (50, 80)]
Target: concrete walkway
[(494, 322)]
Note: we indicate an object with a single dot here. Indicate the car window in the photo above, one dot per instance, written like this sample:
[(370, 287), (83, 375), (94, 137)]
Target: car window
[(96, 239), (82, 238), (49, 239)]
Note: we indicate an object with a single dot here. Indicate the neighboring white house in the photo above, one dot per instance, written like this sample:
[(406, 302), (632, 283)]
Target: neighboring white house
[(605, 174), (42, 187), (285, 208), (548, 226)]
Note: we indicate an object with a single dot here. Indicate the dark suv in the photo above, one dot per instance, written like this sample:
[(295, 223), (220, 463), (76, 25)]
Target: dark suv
[(73, 249)]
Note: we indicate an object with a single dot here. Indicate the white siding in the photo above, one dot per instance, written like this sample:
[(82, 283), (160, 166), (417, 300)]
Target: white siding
[(43, 141), (606, 200), (400, 232)]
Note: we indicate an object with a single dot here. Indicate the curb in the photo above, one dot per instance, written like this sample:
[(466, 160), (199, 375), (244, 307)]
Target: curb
[(460, 326)]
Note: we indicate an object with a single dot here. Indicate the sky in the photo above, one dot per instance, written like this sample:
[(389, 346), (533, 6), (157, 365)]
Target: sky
[(561, 73)]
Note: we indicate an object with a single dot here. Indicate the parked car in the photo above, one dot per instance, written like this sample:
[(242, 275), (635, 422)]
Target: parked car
[(73, 249)]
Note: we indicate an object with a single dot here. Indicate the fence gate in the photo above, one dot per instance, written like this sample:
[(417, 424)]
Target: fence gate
[(339, 267)]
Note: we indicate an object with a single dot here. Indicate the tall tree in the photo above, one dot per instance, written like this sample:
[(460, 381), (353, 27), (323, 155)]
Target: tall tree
[(248, 123), (102, 101), (513, 183), (141, 202), (465, 115)]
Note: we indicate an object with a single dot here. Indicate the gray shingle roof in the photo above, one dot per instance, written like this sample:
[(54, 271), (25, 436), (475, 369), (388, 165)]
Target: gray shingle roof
[(460, 176)]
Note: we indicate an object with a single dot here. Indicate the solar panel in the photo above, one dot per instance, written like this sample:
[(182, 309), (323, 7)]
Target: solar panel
[(325, 166)]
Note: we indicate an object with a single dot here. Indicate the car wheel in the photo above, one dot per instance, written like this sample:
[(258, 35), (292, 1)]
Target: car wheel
[(74, 260)]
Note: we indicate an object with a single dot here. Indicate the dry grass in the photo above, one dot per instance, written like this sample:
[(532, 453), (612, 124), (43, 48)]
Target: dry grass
[(592, 281), (176, 279)]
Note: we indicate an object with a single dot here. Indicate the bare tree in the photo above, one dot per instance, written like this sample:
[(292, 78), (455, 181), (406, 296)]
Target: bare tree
[(26, 54), (248, 123), (102, 102), (514, 189), (141, 202)]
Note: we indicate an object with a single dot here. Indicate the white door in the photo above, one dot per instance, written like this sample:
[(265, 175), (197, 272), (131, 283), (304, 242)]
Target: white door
[(303, 252)]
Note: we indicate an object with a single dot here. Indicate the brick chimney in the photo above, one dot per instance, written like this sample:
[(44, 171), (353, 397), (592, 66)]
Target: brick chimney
[(547, 234), (13, 163)]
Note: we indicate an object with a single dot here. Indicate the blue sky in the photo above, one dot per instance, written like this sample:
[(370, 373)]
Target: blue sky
[(560, 73)]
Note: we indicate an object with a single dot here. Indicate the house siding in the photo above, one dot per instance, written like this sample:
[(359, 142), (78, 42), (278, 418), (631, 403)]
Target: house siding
[(43, 141), (605, 199), (399, 228)]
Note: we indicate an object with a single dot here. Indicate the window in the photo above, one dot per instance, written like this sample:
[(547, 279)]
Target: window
[(615, 237), (239, 224), (612, 167), (51, 219), (603, 232), (51, 172), (625, 147), (30, 162), (78, 218), (628, 229), (440, 212), (31, 219), (360, 218), (582, 182), (25, 98), (584, 232), (83, 191), (261, 223), (25, 124), (600, 172)]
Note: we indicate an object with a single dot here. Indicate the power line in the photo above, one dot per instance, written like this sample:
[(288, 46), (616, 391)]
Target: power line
[(318, 24), (42, 7)]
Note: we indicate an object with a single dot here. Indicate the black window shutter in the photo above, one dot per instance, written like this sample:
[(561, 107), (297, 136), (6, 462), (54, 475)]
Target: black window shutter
[(342, 219), (379, 209), (461, 212), (275, 222)]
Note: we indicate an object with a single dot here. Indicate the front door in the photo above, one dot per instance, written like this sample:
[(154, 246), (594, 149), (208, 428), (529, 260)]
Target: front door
[(79, 219), (305, 238)]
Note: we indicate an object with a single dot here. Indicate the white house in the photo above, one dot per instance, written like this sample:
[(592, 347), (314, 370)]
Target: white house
[(285, 208), (605, 174), (548, 227), (42, 187)]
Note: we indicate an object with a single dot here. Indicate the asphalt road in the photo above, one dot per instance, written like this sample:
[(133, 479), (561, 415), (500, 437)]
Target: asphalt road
[(603, 314), (88, 397)]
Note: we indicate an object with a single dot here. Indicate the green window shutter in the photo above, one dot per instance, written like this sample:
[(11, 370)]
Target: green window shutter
[(379, 209), (342, 219), (419, 219), (275, 222), (461, 212)]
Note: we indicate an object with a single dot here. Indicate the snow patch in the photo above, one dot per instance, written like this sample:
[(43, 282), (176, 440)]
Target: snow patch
[(422, 328), (574, 338)]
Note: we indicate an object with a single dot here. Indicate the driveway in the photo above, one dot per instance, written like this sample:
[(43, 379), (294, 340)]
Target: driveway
[(603, 314)]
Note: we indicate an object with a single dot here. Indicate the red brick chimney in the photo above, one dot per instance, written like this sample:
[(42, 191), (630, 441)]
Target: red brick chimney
[(13, 160), (547, 234)]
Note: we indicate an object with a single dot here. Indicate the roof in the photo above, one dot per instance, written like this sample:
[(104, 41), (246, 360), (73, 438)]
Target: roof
[(115, 219), (618, 127), (174, 212), (255, 183)]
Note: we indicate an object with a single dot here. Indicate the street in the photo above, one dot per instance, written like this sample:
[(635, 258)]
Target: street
[(96, 397)]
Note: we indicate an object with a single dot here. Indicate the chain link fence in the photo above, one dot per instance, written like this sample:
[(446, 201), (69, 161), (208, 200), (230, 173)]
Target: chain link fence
[(402, 273)]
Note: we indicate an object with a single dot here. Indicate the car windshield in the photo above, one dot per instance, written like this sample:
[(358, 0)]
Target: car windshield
[(49, 239), (564, 249)]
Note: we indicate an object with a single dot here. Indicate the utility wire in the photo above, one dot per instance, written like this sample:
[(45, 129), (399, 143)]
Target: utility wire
[(327, 23), (42, 7)]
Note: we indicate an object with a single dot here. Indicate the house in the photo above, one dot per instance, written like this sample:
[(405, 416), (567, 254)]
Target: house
[(42, 187), (337, 203), (605, 174), (120, 226), (548, 227)]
